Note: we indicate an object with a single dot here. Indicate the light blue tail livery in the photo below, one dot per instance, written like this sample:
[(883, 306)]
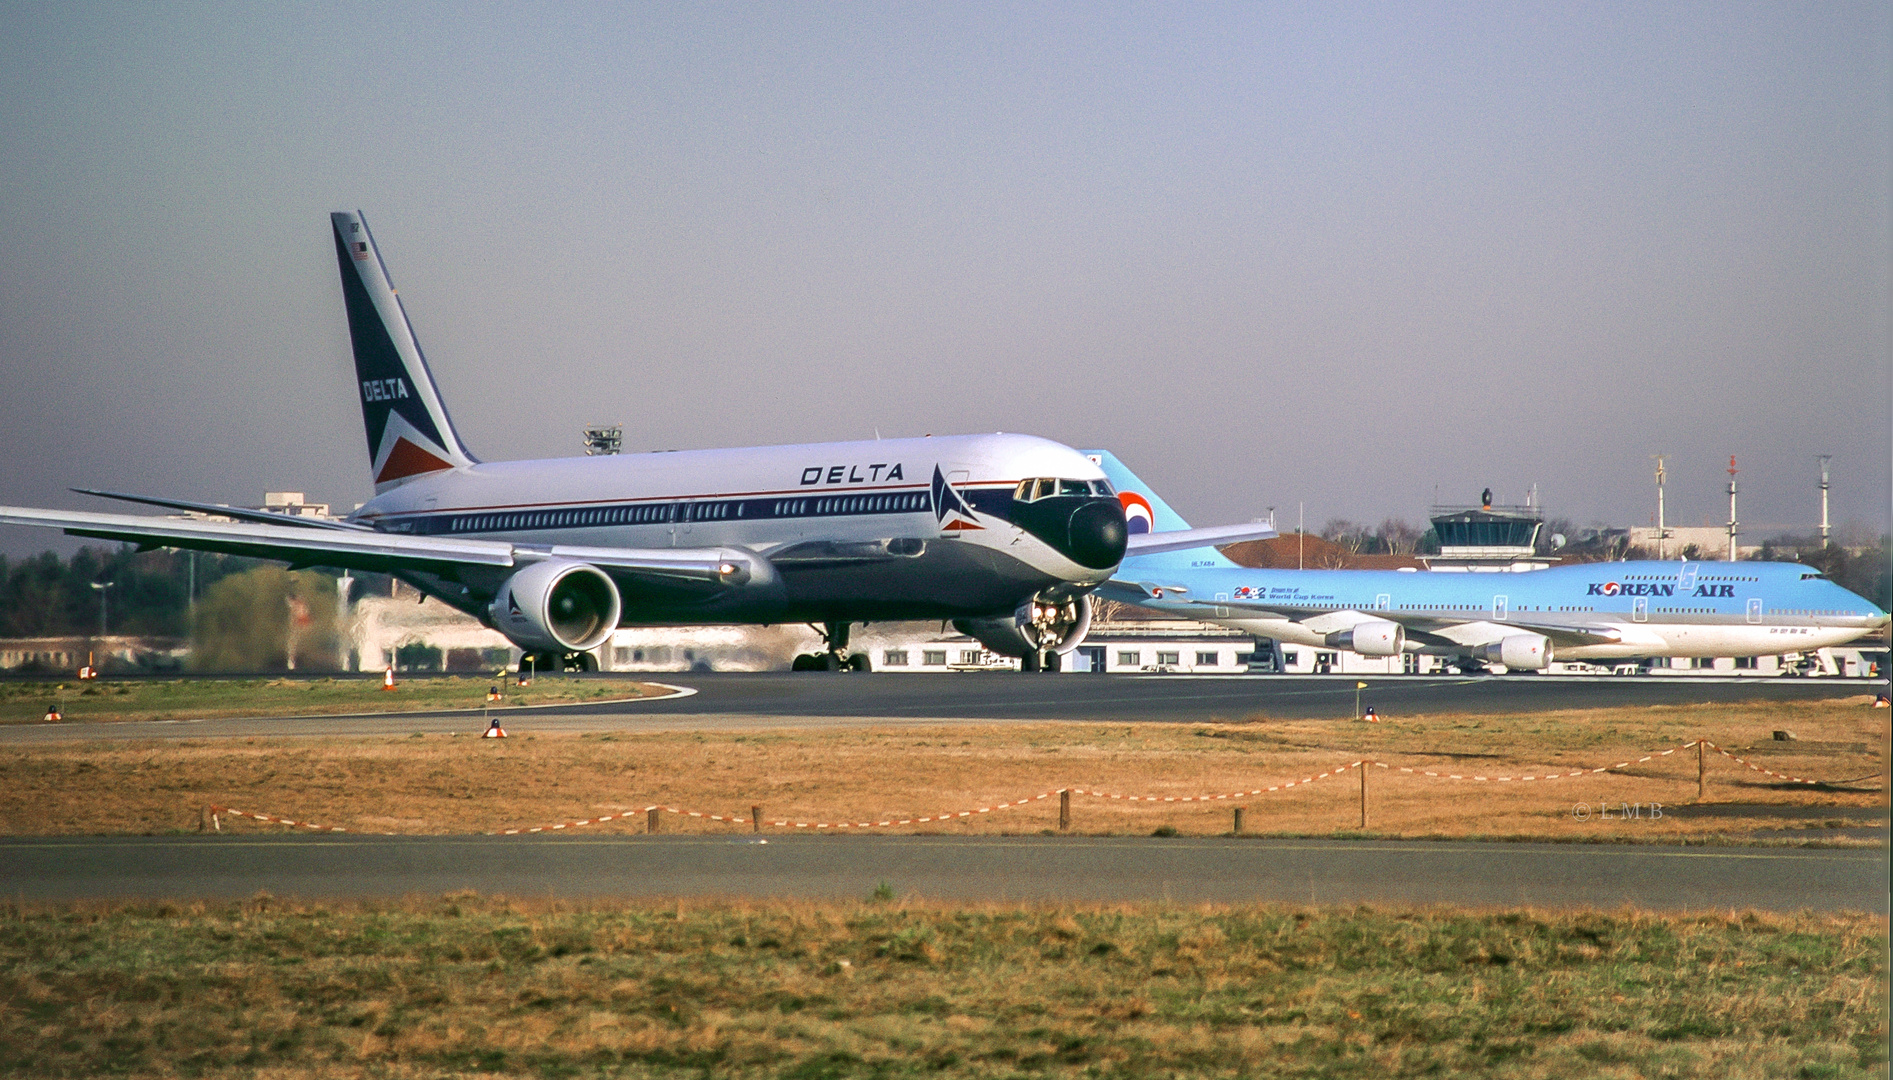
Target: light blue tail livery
[(1145, 511)]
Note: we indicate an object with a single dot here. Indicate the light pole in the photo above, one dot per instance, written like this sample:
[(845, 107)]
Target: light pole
[(1825, 458), (1661, 534), (102, 587)]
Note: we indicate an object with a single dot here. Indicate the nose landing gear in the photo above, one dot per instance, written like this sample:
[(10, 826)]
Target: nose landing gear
[(1040, 660), (836, 657)]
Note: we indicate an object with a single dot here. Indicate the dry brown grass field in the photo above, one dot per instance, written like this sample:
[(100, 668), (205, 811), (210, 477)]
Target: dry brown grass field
[(849, 776), (462, 986)]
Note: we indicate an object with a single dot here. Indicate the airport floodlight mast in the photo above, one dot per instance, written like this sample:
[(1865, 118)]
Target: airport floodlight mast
[(1661, 533), (102, 587), (1732, 525), (1824, 458), (602, 440)]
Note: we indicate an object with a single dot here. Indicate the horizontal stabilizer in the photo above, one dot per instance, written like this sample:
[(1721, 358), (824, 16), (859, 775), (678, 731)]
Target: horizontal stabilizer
[(235, 513), (1136, 592), (1152, 543)]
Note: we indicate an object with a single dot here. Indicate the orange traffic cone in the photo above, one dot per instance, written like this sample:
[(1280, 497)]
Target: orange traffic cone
[(1372, 717), (53, 715), (387, 678), (494, 730)]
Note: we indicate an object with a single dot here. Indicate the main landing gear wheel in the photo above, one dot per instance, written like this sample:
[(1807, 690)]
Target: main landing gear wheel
[(836, 657)]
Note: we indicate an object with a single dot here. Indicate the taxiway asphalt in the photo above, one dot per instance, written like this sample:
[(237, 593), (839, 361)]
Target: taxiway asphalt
[(735, 701), (1003, 869)]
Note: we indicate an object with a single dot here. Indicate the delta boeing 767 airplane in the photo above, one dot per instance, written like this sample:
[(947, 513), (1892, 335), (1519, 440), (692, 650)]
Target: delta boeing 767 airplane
[(1524, 621), (1004, 534)]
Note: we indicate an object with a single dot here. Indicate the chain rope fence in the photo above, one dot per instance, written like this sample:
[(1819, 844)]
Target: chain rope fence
[(211, 818)]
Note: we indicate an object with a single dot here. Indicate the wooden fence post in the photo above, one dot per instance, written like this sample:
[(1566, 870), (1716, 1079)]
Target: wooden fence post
[(1701, 768), (755, 819), (1238, 827), (1064, 810), (1363, 794), (650, 816)]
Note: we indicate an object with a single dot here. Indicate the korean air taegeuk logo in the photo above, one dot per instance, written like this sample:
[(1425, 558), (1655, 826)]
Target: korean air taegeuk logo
[(1138, 517)]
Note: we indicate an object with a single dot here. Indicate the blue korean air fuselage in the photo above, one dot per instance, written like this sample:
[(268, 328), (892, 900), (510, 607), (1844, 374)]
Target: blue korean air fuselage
[(1612, 610), (1651, 608)]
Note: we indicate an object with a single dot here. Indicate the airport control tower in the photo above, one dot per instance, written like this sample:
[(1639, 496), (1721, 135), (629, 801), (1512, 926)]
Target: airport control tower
[(1487, 537)]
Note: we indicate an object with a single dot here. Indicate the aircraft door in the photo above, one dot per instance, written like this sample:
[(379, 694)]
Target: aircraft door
[(1640, 609), (1755, 609), (1383, 601), (1498, 608)]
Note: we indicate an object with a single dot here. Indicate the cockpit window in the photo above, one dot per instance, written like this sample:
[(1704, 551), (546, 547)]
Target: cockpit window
[(1813, 577), (1046, 487)]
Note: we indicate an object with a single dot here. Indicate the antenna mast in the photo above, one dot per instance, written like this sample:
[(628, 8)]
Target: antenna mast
[(1732, 526)]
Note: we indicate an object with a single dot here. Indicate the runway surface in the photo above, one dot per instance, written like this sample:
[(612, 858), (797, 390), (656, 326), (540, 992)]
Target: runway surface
[(730, 701), (952, 868)]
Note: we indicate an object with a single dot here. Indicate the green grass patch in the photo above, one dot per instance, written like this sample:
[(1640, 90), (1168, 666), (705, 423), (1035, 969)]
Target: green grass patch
[(465, 985), (191, 699)]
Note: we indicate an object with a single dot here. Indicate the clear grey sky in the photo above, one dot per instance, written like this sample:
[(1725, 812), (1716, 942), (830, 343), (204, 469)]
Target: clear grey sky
[(1267, 253)]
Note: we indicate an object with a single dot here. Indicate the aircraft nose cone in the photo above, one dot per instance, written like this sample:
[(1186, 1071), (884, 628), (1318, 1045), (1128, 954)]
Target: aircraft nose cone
[(1098, 534)]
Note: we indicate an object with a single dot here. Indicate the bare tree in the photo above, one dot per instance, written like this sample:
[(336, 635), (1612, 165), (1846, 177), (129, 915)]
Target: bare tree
[(1346, 535), (1396, 537)]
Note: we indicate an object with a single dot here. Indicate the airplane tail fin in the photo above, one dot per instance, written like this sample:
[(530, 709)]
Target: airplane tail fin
[(409, 431), (1146, 512)]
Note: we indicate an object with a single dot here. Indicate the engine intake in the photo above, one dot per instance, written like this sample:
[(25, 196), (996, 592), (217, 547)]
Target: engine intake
[(1375, 637), (1040, 624), (557, 605), (1523, 652)]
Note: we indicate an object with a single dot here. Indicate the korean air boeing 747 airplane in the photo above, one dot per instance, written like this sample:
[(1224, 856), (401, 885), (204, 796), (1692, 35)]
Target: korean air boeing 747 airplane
[(1525, 620), (1004, 534)]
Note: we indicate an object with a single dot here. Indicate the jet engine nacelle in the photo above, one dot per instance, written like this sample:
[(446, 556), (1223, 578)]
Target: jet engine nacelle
[(1039, 624), (556, 606), (1375, 637), (1523, 652)]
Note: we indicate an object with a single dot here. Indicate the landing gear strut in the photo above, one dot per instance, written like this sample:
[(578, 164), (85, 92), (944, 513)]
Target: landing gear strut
[(547, 663), (1040, 660), (836, 656)]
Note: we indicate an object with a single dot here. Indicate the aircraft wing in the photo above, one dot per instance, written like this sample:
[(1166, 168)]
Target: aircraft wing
[(358, 549), (1472, 628), (1153, 543)]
